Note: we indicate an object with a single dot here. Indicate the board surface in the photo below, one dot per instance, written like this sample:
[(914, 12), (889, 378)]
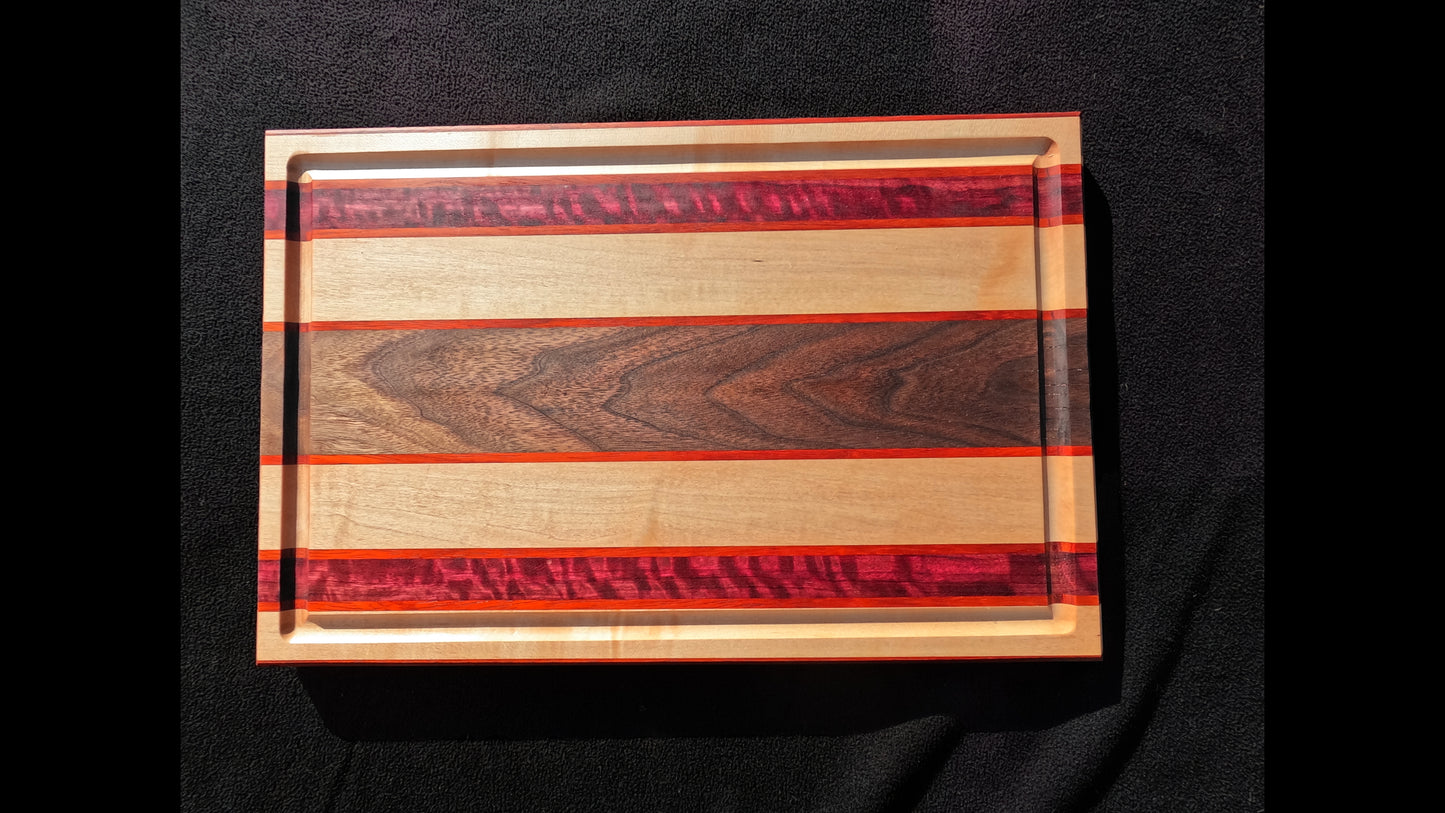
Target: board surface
[(803, 389)]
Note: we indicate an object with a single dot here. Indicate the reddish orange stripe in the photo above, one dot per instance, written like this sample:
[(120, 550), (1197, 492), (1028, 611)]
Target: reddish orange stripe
[(654, 551), (676, 177), (1069, 451), (1078, 547), (672, 321), (679, 604), (642, 457), (708, 123), (676, 321)]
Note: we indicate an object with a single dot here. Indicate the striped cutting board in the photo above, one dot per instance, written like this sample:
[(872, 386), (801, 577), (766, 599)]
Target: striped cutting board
[(804, 389)]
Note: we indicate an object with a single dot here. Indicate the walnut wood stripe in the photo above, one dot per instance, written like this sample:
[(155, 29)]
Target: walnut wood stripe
[(689, 388), (1064, 357), (639, 203)]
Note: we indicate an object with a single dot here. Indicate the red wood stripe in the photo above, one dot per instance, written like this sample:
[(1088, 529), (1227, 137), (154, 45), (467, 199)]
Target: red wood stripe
[(683, 228), (687, 455), (676, 604), (676, 321), (1077, 547), (671, 321), (715, 550), (752, 659), (1013, 173), (707, 123)]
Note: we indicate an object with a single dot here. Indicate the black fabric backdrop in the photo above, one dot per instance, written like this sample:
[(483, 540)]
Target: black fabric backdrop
[(1172, 96)]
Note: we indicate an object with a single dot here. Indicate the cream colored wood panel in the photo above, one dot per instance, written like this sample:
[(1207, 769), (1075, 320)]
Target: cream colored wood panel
[(1061, 262), (1053, 139), (783, 272), (1069, 631), (689, 503), (1071, 516)]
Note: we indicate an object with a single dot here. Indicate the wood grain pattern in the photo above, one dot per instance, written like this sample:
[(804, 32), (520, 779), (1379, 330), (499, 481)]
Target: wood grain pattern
[(806, 386), (809, 389), (674, 504), (759, 579), (645, 203), (675, 274)]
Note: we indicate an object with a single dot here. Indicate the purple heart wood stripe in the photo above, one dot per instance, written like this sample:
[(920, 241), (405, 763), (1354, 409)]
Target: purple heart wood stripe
[(400, 580), (632, 204)]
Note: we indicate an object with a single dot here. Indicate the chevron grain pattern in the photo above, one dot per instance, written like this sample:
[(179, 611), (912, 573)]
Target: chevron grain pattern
[(804, 386)]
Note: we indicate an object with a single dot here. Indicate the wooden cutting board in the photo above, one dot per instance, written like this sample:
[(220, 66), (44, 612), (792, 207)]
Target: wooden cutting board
[(805, 389)]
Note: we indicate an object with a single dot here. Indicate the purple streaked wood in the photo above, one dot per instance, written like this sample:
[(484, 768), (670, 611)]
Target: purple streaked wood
[(1071, 573), (682, 578), (542, 204)]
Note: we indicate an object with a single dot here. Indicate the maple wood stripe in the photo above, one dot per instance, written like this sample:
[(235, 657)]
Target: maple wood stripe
[(760, 576)]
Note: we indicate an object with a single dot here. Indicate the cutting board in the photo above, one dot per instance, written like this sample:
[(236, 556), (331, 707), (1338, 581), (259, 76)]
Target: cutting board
[(734, 390)]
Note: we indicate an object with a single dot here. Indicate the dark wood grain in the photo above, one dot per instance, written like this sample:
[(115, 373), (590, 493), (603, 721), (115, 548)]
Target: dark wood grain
[(1065, 360), (804, 386)]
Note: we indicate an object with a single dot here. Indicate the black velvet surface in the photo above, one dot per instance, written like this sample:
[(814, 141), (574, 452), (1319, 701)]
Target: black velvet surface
[(1172, 96)]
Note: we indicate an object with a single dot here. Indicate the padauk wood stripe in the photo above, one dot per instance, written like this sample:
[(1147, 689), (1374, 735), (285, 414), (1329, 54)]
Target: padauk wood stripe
[(702, 123), (661, 228), (689, 455), (677, 604), (624, 552), (679, 321), (1017, 174)]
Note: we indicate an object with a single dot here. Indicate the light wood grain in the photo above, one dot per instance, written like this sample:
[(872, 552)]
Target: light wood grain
[(748, 265), (693, 503), (1068, 631), (555, 276)]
